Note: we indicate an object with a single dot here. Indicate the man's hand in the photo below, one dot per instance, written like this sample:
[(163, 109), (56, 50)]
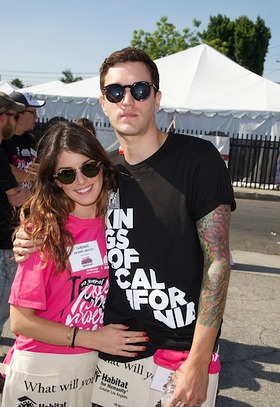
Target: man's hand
[(18, 196), (32, 170), (23, 246)]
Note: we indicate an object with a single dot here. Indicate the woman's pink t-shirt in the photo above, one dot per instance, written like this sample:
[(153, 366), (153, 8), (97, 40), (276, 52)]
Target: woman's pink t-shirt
[(74, 300)]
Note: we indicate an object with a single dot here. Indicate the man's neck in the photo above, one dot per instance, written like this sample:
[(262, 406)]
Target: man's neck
[(138, 148), (19, 132)]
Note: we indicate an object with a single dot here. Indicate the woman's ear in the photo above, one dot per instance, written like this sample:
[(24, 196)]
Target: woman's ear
[(58, 183)]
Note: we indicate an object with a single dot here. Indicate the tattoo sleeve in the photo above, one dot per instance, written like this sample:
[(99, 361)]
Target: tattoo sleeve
[(213, 232)]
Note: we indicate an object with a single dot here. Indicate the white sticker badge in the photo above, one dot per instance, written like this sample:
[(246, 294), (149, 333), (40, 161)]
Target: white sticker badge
[(85, 256)]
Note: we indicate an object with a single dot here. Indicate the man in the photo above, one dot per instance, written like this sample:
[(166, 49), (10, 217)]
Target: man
[(21, 148), (167, 241), (10, 194)]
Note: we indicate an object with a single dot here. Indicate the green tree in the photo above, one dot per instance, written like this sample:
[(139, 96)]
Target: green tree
[(18, 83), (242, 40), (251, 43), (69, 77), (166, 40), (220, 35)]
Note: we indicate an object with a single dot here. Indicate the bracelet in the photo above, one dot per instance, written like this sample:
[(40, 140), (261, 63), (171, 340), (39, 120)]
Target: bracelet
[(76, 330), (69, 336)]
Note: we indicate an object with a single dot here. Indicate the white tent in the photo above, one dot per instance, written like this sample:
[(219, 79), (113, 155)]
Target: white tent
[(7, 87), (207, 92), (46, 87), (203, 91)]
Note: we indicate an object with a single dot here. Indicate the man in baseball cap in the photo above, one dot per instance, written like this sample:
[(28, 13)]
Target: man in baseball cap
[(7, 104), (21, 148)]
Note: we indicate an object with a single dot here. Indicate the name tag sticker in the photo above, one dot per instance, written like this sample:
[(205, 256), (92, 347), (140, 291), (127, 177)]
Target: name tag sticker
[(161, 377), (85, 256)]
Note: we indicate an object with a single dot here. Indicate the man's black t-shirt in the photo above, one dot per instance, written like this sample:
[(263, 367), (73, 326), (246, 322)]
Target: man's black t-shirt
[(20, 149), (7, 181), (155, 257)]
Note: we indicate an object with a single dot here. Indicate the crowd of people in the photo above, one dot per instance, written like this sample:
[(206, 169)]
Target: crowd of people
[(123, 260)]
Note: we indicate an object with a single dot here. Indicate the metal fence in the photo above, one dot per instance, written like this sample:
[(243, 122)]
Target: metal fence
[(255, 163)]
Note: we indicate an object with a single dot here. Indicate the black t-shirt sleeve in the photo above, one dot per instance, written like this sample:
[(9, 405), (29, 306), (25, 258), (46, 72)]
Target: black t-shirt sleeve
[(211, 184)]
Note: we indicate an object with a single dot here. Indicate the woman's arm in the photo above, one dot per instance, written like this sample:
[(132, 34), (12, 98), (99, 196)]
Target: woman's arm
[(113, 339)]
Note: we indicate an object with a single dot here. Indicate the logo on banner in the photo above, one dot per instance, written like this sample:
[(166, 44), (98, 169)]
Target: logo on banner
[(26, 402)]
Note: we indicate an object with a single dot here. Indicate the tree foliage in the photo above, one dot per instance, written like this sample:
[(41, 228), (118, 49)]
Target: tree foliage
[(242, 40), (18, 83), (69, 77), (251, 43), (220, 35), (166, 40)]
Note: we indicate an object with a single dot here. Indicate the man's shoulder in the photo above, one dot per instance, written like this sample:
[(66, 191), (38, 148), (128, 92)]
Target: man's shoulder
[(3, 155), (190, 141)]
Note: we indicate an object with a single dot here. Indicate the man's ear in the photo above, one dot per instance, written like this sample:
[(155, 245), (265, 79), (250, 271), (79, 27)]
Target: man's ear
[(3, 118), (103, 104), (158, 99)]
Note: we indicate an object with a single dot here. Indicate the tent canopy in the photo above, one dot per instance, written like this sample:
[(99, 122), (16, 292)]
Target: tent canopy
[(46, 87), (202, 79), (7, 87)]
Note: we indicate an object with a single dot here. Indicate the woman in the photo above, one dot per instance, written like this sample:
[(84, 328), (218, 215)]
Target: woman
[(58, 295)]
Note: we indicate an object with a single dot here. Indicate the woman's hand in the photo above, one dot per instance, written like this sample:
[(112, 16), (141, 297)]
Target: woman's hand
[(114, 339)]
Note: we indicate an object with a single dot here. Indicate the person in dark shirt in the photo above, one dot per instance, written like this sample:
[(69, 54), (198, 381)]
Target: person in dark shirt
[(10, 194), (21, 148)]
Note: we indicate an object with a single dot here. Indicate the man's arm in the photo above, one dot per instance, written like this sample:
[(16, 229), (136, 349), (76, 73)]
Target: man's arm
[(27, 175), (192, 376), (18, 196), (213, 232)]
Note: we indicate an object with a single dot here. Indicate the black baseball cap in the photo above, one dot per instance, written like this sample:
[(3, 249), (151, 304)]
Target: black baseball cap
[(27, 99)]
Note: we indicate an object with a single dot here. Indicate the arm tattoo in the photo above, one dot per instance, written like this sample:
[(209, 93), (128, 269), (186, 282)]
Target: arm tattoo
[(213, 232)]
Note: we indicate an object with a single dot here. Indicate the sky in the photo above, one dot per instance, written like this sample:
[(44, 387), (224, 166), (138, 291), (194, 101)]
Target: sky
[(42, 38)]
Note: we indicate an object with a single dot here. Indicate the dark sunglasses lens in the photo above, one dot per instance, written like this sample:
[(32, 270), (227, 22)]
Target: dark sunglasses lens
[(141, 91), (66, 176), (90, 170), (114, 93)]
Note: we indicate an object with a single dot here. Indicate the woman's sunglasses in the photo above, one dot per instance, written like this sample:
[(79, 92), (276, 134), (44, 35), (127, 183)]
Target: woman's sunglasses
[(68, 175), (139, 90)]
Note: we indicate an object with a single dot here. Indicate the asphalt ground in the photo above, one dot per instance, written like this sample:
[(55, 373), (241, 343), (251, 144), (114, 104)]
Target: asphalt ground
[(250, 340)]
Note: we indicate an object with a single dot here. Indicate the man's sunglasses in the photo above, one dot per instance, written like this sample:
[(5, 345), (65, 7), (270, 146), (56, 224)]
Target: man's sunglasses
[(33, 112), (139, 90), (68, 175), (14, 115)]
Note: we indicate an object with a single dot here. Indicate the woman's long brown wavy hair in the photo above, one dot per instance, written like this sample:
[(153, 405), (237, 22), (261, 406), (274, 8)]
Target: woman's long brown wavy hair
[(45, 214)]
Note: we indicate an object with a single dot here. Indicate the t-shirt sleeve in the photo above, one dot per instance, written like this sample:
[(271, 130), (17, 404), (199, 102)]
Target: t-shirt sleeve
[(7, 179), (211, 183), (29, 285)]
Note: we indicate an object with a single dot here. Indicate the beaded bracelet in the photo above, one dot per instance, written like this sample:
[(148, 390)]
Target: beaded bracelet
[(76, 330)]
